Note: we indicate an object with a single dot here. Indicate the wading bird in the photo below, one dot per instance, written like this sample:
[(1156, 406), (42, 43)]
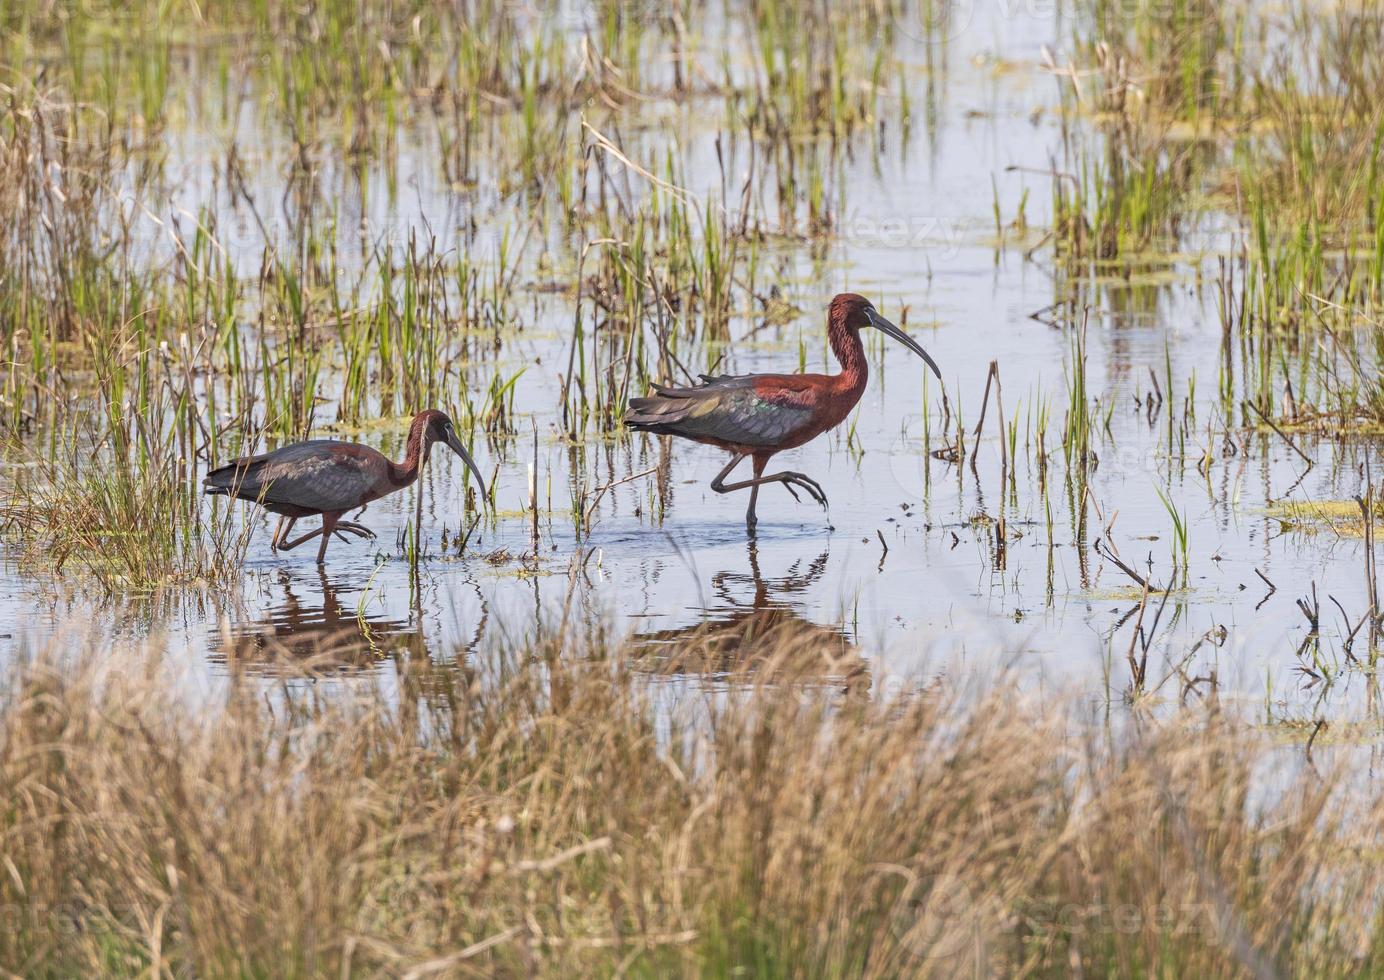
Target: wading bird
[(326, 477), (757, 415)]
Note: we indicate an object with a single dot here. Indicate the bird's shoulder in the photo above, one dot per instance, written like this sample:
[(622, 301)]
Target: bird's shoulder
[(772, 388), (315, 454), (788, 387)]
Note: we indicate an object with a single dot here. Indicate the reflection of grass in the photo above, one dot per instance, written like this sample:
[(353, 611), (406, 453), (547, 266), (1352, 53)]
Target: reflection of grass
[(558, 813)]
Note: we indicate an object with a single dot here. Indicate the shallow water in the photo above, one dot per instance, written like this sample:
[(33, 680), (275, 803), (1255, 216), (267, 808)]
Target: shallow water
[(900, 576)]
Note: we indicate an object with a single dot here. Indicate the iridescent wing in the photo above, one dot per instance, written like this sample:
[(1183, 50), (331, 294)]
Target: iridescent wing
[(320, 474), (750, 410)]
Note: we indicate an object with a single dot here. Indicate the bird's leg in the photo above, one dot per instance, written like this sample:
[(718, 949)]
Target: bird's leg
[(720, 486), (290, 545), (718, 483), (750, 520), (328, 526), (788, 478), (281, 532)]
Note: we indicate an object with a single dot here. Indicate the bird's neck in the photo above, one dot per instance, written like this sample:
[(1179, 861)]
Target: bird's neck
[(850, 353), (415, 455)]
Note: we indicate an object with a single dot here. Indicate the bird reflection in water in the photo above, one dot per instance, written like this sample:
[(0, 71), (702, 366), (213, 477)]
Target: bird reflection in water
[(325, 638), (764, 638)]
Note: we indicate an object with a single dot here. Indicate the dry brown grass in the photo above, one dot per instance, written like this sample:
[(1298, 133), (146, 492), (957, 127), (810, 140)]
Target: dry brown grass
[(565, 815)]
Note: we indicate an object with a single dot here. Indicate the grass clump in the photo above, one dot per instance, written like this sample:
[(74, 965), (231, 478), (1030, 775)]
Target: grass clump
[(133, 528), (559, 813)]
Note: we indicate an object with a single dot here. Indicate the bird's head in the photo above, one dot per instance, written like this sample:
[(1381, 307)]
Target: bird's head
[(437, 427), (854, 312)]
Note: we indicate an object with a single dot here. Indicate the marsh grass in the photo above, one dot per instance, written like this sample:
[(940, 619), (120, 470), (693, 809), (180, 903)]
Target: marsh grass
[(1192, 130), (103, 262), (563, 814), (131, 522), (662, 264)]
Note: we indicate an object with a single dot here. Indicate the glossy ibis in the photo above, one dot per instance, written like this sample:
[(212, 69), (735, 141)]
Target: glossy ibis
[(327, 477), (757, 415)]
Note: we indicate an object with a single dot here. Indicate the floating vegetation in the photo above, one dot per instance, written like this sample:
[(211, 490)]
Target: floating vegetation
[(1347, 518)]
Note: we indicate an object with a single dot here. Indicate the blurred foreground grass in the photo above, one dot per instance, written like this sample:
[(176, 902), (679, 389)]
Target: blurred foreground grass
[(571, 812)]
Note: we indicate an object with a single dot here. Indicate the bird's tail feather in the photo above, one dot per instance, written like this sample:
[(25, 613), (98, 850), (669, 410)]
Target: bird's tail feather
[(224, 480), (656, 410)]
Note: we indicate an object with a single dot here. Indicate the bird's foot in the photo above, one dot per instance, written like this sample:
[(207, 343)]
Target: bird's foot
[(807, 484), (359, 530)]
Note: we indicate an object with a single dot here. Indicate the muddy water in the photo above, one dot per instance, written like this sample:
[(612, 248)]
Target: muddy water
[(901, 577)]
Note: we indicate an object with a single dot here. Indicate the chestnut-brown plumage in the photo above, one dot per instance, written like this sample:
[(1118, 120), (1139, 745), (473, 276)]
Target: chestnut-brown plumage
[(757, 415), (326, 477)]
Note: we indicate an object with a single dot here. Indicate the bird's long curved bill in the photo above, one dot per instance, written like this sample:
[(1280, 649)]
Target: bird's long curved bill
[(883, 325), (455, 445)]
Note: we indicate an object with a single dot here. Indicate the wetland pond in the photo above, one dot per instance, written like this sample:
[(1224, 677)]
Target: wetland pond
[(540, 252)]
